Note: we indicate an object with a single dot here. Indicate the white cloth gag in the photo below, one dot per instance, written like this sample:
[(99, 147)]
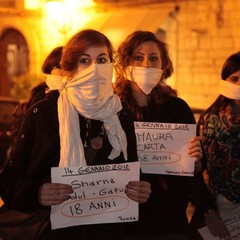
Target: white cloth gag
[(90, 94), (230, 90)]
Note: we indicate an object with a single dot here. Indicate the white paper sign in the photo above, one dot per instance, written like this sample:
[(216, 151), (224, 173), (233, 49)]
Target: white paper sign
[(98, 195), (163, 147), (233, 225)]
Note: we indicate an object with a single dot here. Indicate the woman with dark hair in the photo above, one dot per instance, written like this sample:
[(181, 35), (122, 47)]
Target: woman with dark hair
[(38, 92), (80, 114), (143, 68), (52, 60), (14, 224), (125, 88), (220, 127)]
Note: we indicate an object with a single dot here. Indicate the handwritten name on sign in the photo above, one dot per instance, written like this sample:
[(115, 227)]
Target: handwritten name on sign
[(233, 225), (163, 147), (98, 195)]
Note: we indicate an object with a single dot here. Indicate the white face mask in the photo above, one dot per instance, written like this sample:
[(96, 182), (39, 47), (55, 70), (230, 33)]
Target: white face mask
[(230, 90), (92, 86), (145, 78), (96, 82)]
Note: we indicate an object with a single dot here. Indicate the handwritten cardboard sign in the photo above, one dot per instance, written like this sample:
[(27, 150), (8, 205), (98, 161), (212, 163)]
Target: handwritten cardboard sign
[(98, 195), (233, 225), (163, 147)]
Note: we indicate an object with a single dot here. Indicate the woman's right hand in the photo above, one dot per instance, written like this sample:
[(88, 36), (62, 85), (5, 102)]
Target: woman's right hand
[(53, 193), (138, 191), (216, 225)]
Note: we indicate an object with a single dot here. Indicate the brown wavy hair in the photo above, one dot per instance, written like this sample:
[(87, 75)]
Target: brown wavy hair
[(125, 52)]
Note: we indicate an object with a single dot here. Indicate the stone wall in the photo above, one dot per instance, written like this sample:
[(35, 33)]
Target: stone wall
[(208, 32), (201, 34)]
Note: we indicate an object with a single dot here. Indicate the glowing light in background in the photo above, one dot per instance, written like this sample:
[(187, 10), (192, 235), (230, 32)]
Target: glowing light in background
[(66, 14), (31, 4), (56, 9), (79, 4)]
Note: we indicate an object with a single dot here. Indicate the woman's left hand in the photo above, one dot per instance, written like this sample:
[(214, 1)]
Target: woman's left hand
[(195, 151), (216, 226), (138, 191)]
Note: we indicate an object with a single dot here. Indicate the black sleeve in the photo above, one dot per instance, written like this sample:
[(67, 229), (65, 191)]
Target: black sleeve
[(200, 195), (13, 182), (127, 123), (30, 162), (203, 201), (175, 110)]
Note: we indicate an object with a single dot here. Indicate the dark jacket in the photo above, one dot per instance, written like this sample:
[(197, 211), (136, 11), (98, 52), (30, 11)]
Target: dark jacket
[(165, 211), (38, 149)]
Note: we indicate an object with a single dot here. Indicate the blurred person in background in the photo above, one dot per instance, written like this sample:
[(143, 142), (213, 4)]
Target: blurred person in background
[(37, 93), (13, 223)]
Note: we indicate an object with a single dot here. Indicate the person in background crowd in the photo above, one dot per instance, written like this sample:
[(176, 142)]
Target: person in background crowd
[(80, 109), (13, 224), (52, 61), (220, 125), (37, 93), (143, 67)]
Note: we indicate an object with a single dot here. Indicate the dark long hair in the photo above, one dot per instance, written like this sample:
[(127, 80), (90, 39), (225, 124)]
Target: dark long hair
[(124, 58), (231, 65), (52, 60)]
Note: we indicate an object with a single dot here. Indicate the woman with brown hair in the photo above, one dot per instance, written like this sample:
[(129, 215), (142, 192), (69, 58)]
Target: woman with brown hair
[(144, 66), (80, 114)]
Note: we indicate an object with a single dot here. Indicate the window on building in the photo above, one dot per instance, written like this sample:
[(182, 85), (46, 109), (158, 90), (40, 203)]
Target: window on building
[(8, 3)]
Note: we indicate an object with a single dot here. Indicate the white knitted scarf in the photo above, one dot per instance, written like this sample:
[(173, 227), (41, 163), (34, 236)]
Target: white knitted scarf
[(90, 94)]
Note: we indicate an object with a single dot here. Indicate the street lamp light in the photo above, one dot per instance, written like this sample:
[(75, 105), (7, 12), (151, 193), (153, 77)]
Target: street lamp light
[(60, 15), (67, 15)]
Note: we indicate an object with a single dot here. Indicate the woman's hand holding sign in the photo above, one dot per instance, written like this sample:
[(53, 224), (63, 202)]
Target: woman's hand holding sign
[(195, 151), (138, 191), (53, 193)]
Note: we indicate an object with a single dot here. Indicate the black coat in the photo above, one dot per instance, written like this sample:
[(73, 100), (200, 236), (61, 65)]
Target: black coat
[(38, 149), (165, 211)]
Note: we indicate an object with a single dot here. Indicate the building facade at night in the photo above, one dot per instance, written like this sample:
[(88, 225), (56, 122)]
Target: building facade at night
[(201, 34)]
